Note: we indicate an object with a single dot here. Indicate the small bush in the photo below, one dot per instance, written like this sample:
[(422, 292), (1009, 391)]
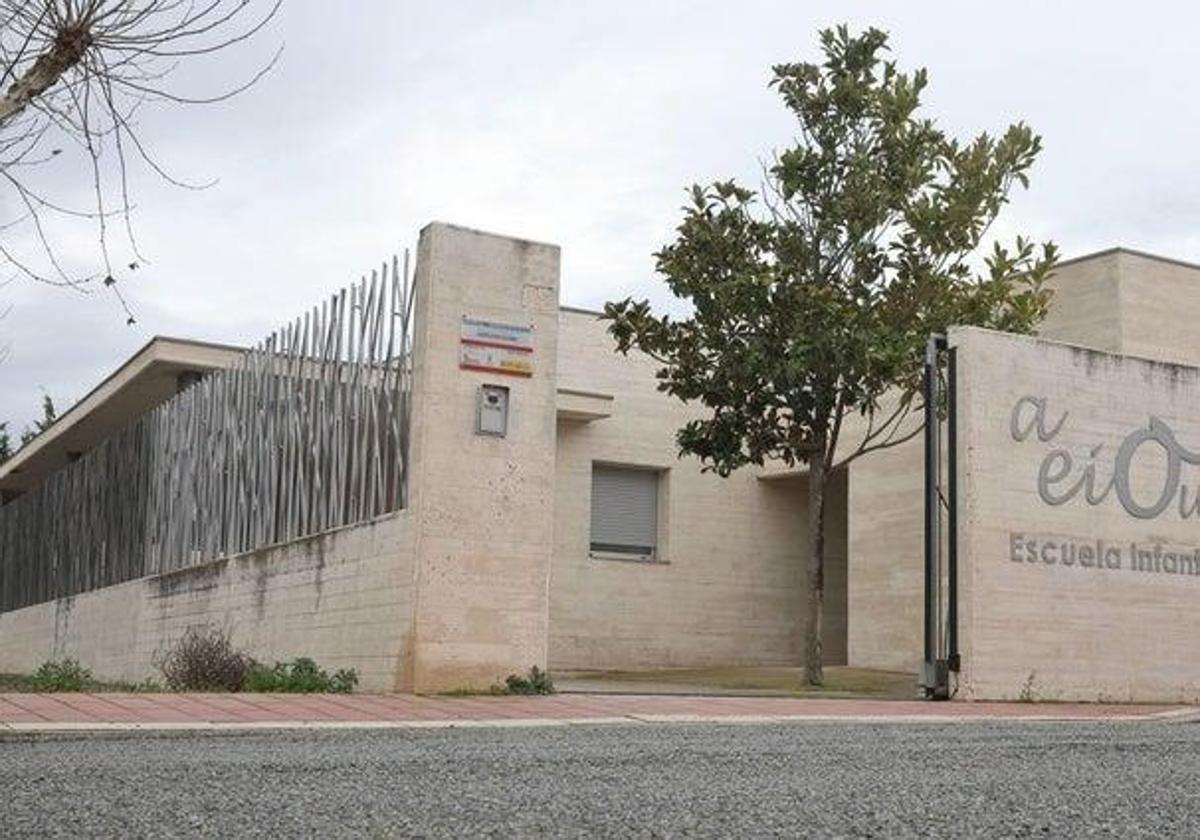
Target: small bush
[(301, 676), (63, 675), (538, 682), (204, 659), (1028, 690)]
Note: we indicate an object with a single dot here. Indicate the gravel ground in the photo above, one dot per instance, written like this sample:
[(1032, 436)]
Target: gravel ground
[(835, 780)]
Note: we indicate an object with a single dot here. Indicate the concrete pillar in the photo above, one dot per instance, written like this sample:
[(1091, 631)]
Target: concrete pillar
[(482, 504)]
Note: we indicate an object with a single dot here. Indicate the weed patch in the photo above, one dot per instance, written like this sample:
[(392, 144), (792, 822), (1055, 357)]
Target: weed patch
[(536, 682), (61, 675), (301, 675)]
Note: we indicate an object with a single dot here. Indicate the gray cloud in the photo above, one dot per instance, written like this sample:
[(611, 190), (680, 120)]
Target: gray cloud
[(580, 124)]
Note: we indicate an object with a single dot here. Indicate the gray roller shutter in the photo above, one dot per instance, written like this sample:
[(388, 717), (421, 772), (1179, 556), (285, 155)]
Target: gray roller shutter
[(624, 510)]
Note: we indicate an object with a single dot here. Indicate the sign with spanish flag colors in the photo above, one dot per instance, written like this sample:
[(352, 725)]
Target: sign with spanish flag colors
[(495, 347)]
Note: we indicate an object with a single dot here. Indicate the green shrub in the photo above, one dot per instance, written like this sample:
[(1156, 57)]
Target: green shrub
[(62, 675), (538, 682), (204, 659), (301, 675)]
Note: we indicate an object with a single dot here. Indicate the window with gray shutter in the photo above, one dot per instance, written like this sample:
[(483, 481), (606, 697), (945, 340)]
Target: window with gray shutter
[(624, 510)]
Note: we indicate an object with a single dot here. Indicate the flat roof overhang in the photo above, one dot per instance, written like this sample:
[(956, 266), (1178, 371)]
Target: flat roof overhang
[(146, 380), (583, 406)]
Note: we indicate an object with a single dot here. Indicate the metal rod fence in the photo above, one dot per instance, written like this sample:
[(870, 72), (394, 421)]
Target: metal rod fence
[(308, 431)]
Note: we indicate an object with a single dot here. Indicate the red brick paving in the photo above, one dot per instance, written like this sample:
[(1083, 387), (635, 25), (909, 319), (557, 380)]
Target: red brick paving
[(28, 710)]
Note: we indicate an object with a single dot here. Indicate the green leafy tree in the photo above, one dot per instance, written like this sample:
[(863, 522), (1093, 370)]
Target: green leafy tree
[(811, 300), (49, 415)]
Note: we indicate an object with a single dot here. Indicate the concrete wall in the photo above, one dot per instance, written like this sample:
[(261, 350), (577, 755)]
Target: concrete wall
[(1040, 616), (1086, 308), (1159, 301), (483, 506), (450, 593), (886, 530), (343, 598), (886, 540), (1119, 301), (729, 584), (1127, 302), (489, 571)]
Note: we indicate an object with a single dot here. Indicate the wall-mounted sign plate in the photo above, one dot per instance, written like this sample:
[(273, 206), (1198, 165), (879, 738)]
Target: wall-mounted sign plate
[(496, 347), (495, 334)]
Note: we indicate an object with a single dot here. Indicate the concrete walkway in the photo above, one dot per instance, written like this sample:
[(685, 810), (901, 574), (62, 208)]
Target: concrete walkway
[(33, 713)]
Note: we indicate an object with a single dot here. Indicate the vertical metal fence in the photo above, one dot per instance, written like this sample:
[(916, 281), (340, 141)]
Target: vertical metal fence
[(307, 432)]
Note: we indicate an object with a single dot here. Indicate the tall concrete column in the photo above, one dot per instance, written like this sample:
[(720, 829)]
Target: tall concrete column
[(482, 504)]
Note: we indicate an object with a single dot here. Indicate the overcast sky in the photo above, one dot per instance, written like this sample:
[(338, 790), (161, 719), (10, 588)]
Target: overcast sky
[(580, 124)]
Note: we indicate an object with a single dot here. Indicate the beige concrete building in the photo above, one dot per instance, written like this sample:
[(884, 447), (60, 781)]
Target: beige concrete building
[(1079, 539), (546, 518), (1120, 301)]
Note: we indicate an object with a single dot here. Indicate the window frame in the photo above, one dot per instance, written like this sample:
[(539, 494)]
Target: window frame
[(613, 551)]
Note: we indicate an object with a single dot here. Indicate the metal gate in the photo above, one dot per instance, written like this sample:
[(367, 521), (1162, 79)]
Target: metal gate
[(941, 658)]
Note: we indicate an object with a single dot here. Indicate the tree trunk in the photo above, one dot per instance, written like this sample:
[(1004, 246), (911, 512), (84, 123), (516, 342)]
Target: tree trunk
[(813, 672), (67, 51)]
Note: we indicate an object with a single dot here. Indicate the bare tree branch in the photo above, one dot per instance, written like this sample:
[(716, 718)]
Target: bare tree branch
[(887, 434), (77, 71)]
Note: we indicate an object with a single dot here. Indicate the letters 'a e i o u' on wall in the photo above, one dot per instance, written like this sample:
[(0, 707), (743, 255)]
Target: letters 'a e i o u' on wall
[(1079, 522)]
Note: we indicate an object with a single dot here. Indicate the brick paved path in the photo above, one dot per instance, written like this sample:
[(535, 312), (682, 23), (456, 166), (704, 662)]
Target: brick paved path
[(46, 712)]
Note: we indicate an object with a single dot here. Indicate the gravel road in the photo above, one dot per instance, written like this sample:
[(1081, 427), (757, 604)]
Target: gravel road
[(823, 779)]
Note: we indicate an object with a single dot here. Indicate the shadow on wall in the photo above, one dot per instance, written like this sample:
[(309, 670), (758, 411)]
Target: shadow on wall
[(834, 619)]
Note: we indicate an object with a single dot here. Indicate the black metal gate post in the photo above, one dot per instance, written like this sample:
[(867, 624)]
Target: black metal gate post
[(953, 658), (941, 641)]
